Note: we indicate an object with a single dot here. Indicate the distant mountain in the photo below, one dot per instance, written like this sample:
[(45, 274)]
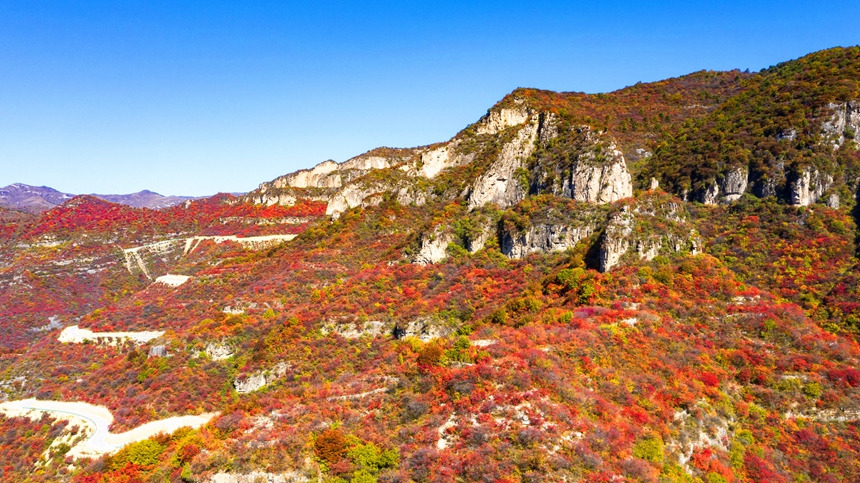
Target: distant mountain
[(146, 199), (35, 199), (32, 199)]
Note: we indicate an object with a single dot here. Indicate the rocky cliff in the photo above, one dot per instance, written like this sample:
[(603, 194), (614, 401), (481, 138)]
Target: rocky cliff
[(651, 225), (498, 152)]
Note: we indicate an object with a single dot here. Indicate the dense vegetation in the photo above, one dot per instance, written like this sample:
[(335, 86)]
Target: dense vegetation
[(737, 364)]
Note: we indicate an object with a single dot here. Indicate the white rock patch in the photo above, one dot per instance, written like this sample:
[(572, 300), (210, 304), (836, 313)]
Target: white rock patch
[(76, 335), (172, 280)]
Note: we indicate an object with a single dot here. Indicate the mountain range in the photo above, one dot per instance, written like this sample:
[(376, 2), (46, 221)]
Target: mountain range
[(656, 284), (35, 199)]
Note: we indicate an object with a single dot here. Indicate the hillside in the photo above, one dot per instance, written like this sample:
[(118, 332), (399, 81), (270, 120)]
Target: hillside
[(656, 284)]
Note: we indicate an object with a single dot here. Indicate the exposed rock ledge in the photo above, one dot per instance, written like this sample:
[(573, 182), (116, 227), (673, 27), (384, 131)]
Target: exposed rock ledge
[(260, 379), (809, 186), (646, 229), (76, 335), (845, 121), (434, 246)]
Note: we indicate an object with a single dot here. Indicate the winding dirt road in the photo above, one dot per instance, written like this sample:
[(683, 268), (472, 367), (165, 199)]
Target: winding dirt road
[(96, 421)]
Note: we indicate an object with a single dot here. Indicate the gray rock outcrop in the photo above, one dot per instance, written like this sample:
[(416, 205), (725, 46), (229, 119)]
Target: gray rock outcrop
[(218, 352), (434, 246), (645, 230), (499, 184), (730, 188), (544, 238), (260, 379), (424, 328), (598, 180), (349, 330), (809, 186), (158, 351), (844, 121), (497, 120)]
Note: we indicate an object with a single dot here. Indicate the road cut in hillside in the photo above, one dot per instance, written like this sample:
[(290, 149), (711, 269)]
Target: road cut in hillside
[(134, 258), (254, 242), (76, 335), (95, 421)]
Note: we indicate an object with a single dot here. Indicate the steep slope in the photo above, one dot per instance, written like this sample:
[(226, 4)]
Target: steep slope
[(792, 133), (519, 303)]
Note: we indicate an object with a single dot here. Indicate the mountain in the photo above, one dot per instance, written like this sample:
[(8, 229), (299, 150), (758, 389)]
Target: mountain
[(35, 199), (656, 284), (146, 199), (32, 199)]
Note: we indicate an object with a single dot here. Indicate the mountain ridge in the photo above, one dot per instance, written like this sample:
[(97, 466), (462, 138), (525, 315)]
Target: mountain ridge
[(35, 199), (533, 300)]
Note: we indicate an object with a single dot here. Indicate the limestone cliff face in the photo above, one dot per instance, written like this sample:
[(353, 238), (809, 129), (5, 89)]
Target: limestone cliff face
[(497, 120), (499, 185), (434, 246), (544, 238), (503, 145), (844, 124), (549, 224), (325, 179), (600, 175), (729, 188), (579, 163), (260, 379), (809, 186), (645, 229)]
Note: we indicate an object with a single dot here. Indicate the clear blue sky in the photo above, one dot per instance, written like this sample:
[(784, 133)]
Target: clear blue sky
[(199, 97)]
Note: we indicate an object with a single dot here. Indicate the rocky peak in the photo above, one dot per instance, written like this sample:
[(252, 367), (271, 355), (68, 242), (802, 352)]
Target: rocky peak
[(500, 118)]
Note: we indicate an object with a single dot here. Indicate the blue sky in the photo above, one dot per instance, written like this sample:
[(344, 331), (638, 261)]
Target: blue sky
[(199, 97)]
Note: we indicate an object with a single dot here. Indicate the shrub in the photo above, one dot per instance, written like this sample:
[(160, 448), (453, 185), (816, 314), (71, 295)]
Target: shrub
[(330, 446), (649, 449), (141, 453), (429, 355)]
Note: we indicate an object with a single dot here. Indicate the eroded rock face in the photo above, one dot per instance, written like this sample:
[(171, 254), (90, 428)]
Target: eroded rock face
[(544, 238), (845, 120), (581, 164), (645, 230), (260, 379), (434, 246), (809, 186), (218, 352), (616, 239), (730, 188), (424, 328), (317, 177), (499, 184), (734, 184), (349, 197), (498, 120), (598, 181), (348, 330)]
